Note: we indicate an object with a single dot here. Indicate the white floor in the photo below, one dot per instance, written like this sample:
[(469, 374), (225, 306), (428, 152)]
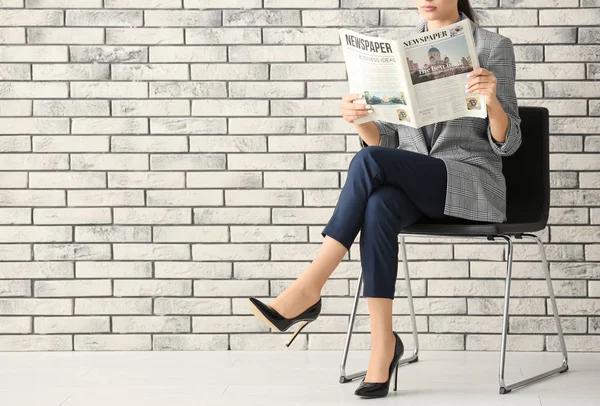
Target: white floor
[(170, 378)]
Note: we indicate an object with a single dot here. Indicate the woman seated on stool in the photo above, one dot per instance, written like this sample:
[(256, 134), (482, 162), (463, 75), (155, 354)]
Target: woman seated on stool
[(450, 169)]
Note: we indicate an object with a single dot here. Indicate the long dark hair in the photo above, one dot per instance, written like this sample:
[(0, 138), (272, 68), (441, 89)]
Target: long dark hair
[(465, 7)]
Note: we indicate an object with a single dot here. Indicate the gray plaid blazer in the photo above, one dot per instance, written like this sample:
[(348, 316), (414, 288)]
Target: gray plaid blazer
[(476, 188)]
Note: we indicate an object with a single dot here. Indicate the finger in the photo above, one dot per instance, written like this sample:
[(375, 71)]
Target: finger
[(355, 96), (480, 90), (354, 115), (479, 80), (357, 106), (479, 71), (351, 96)]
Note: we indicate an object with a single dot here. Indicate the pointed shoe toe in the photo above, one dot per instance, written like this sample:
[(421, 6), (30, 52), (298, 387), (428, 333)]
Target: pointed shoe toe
[(381, 389), (275, 320)]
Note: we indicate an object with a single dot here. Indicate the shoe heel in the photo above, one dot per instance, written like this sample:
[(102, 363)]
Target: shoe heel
[(396, 378), (299, 329)]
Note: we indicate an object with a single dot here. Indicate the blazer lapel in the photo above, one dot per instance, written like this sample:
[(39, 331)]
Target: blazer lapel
[(437, 127)]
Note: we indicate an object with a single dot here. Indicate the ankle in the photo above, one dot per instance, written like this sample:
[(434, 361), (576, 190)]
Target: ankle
[(384, 340), (310, 290)]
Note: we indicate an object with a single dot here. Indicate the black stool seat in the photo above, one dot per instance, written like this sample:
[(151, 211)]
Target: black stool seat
[(473, 228)]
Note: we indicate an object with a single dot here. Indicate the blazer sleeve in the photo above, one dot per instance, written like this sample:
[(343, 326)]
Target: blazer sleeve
[(388, 133), (501, 63)]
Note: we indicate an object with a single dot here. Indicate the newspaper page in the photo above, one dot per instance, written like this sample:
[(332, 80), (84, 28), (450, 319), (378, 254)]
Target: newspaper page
[(438, 62), (375, 69), (417, 80)]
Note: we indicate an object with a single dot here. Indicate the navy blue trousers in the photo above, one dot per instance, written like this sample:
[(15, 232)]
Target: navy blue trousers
[(386, 190)]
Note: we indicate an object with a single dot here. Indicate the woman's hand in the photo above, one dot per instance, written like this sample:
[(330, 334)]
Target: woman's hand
[(352, 111), (482, 81)]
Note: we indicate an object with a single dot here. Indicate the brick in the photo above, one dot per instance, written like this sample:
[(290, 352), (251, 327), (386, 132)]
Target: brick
[(307, 143), (262, 18), (31, 306), (15, 144), (72, 216), (158, 252), (151, 324), (35, 233), (71, 180), (73, 288), (148, 143), (15, 108), (15, 325), (162, 162), (14, 180), (142, 4), (62, 342), (492, 342), (12, 35), (574, 343), (193, 306), (70, 252), (340, 18), (113, 269), (106, 18), (105, 198), (65, 35), (15, 216), (112, 234), (112, 162), (224, 252), (191, 53), (153, 36), (187, 125), (110, 306), (15, 252), (151, 71), (220, 35), (34, 53), (230, 108), (227, 324), (109, 342), (191, 342), (71, 108), (273, 197), (569, 17), (185, 197), (572, 53), (71, 324), (232, 215), (63, 3), (540, 35), (16, 17), (191, 234), (15, 288), (187, 90), (136, 287), (247, 71), (266, 53), (115, 90), (193, 270)]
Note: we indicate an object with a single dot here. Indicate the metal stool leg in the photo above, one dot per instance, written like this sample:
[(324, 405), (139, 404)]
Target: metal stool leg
[(413, 358), (564, 367), (411, 307)]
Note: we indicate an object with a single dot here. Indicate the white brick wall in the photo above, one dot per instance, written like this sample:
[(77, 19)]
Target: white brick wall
[(162, 160)]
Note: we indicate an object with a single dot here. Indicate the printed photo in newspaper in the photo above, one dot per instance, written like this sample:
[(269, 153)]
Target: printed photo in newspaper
[(417, 80)]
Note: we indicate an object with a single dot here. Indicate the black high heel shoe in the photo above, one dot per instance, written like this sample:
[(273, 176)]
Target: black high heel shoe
[(273, 319), (381, 389)]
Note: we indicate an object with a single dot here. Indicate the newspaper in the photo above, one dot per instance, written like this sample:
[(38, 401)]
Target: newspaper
[(417, 80)]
